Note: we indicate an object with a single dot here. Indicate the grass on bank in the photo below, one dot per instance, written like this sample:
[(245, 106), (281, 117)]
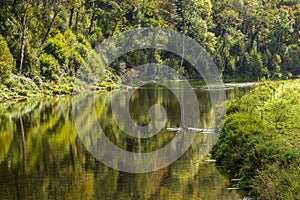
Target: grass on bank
[(260, 140)]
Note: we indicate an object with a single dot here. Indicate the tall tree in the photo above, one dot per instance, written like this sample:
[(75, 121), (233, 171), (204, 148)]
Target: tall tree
[(26, 6)]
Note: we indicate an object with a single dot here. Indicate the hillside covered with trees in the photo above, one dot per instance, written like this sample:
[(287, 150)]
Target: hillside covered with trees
[(47, 41)]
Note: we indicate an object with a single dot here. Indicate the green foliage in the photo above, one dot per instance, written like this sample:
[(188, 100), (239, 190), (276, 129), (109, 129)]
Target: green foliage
[(57, 47), (75, 63), (254, 63), (6, 60), (19, 86), (260, 138), (48, 66), (276, 182)]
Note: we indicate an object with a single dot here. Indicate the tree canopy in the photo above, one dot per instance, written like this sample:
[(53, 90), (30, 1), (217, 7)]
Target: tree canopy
[(248, 39)]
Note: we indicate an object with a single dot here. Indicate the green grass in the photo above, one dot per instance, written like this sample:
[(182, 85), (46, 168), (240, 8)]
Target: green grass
[(260, 139)]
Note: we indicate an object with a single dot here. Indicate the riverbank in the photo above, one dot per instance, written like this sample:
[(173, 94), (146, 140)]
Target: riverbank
[(260, 138), (19, 87)]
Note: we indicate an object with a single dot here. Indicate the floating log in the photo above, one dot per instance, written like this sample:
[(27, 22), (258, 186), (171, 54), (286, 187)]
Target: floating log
[(233, 188), (181, 129), (210, 161), (243, 188), (248, 198)]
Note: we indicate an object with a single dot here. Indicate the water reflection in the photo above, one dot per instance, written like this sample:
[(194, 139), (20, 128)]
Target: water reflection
[(42, 157)]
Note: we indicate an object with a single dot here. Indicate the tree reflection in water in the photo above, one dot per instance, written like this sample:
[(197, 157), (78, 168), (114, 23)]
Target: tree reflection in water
[(42, 157)]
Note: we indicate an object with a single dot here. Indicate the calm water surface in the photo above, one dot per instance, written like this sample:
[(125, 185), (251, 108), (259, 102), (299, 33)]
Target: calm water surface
[(42, 156)]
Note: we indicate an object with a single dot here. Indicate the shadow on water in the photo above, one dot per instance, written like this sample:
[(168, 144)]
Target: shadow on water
[(42, 157)]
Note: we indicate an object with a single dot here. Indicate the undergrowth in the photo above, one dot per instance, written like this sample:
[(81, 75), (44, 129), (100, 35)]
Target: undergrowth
[(22, 87)]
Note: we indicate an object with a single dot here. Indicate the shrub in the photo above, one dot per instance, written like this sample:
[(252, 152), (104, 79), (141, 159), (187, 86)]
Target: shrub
[(17, 83), (38, 81), (81, 38), (82, 50), (57, 46), (75, 63), (48, 66)]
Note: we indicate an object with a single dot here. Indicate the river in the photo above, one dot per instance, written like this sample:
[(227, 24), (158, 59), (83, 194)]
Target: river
[(42, 156)]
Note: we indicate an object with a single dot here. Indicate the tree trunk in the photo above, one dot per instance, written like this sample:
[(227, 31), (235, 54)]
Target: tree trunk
[(279, 43), (23, 143), (183, 50), (71, 18), (23, 42), (183, 36), (92, 22), (76, 21), (224, 57), (152, 58), (23, 37), (50, 26), (183, 43)]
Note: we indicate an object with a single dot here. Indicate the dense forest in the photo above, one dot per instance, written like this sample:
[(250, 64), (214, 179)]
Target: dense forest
[(47, 41)]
